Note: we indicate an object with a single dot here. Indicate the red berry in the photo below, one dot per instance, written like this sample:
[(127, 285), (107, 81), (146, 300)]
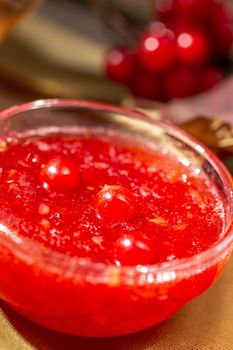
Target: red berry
[(220, 28), (131, 250), (115, 203), (60, 174), (190, 11), (221, 11), (164, 10), (208, 78), (181, 25), (192, 48), (179, 83), (156, 49), (145, 86), (223, 37), (192, 8), (120, 65)]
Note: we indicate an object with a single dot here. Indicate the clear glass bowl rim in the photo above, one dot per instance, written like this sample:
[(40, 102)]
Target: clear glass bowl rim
[(29, 250)]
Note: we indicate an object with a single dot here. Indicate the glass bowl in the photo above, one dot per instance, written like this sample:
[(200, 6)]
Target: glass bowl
[(80, 297)]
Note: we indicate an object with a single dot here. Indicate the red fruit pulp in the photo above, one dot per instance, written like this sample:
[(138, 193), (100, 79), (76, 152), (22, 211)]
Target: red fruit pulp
[(130, 188), (172, 211)]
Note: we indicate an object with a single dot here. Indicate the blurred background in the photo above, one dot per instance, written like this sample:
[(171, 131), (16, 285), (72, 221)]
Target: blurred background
[(129, 52), (171, 57), (56, 48)]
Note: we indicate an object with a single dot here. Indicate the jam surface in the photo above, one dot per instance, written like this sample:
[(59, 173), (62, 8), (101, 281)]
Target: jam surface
[(108, 199)]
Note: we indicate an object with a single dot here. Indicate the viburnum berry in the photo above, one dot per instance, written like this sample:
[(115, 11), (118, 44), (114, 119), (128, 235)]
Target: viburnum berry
[(208, 78), (179, 83), (222, 36), (60, 174), (190, 8), (115, 203), (189, 11), (188, 36), (146, 86), (133, 250), (192, 48), (156, 49), (120, 65)]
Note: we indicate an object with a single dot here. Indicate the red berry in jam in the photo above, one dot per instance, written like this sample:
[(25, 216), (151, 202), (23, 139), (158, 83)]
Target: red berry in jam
[(179, 83), (115, 203), (120, 65), (60, 174), (192, 48), (156, 49), (146, 86), (131, 250)]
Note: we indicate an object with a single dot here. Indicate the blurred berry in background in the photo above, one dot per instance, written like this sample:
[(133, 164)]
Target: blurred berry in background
[(184, 51)]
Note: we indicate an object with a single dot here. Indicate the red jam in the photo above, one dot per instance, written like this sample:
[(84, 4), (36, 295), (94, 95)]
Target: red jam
[(110, 199)]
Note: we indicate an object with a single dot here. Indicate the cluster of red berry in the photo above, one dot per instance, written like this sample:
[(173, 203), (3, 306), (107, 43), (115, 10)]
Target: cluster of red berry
[(179, 55), (114, 203)]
